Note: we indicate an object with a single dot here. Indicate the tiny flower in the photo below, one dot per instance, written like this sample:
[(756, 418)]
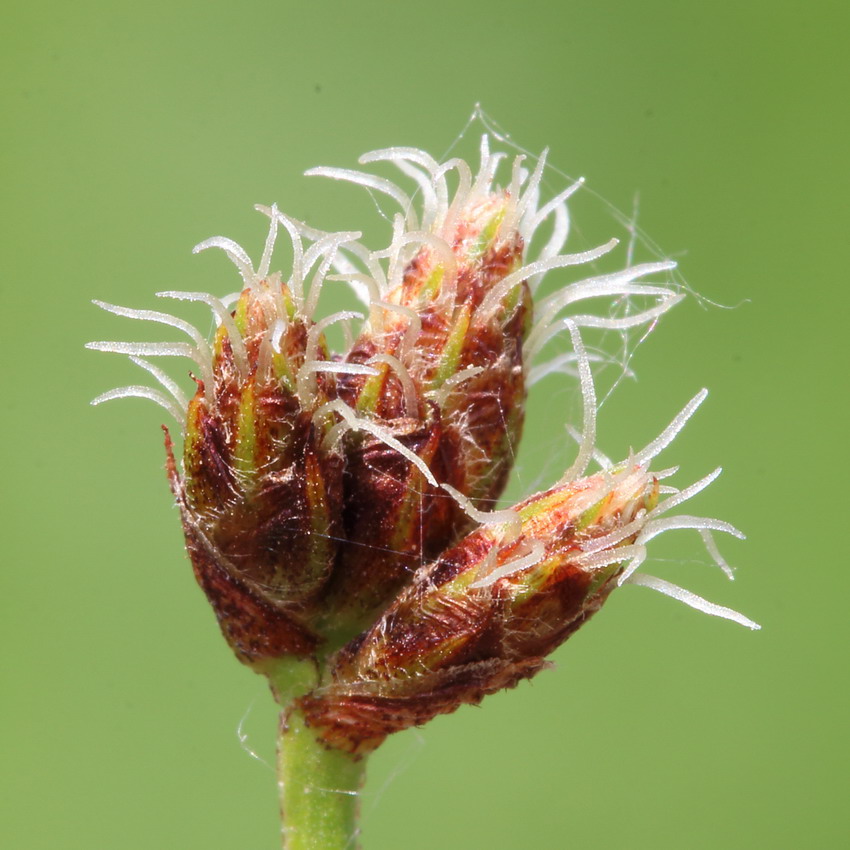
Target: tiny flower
[(260, 493), (489, 610), (450, 380)]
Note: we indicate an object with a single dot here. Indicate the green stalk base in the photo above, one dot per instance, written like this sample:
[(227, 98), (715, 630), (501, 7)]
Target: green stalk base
[(319, 790)]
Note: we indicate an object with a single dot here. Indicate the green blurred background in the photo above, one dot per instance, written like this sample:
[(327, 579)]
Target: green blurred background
[(133, 131)]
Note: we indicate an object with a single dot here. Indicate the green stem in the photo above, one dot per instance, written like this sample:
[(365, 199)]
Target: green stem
[(319, 790), (319, 787)]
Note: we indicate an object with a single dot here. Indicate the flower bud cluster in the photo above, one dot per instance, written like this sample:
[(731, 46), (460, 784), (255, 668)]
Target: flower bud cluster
[(340, 506)]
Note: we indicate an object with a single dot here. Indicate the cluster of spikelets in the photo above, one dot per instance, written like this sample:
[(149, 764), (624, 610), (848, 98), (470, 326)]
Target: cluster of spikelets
[(341, 507)]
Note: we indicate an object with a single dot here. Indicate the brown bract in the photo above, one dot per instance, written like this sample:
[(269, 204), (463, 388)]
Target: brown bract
[(359, 724), (466, 434), (256, 628), (261, 499), (450, 638)]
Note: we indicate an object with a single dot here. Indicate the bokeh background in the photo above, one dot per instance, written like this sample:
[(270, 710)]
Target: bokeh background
[(131, 131)]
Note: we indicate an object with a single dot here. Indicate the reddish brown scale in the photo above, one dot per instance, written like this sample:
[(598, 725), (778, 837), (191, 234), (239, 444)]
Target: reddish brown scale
[(556, 611), (421, 620), (474, 282), (430, 616), (269, 537), (489, 407), (456, 560), (206, 467), (398, 633), (393, 520), (255, 628), (435, 329), (415, 273), (349, 386), (358, 724), (284, 428), (390, 401), (226, 381)]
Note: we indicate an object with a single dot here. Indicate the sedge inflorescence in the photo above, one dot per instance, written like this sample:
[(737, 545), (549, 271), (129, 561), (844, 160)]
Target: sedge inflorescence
[(342, 507)]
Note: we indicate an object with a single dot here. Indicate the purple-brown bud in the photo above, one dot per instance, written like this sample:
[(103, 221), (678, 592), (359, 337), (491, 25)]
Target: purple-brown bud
[(259, 495), (487, 613), (468, 317), (450, 387)]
